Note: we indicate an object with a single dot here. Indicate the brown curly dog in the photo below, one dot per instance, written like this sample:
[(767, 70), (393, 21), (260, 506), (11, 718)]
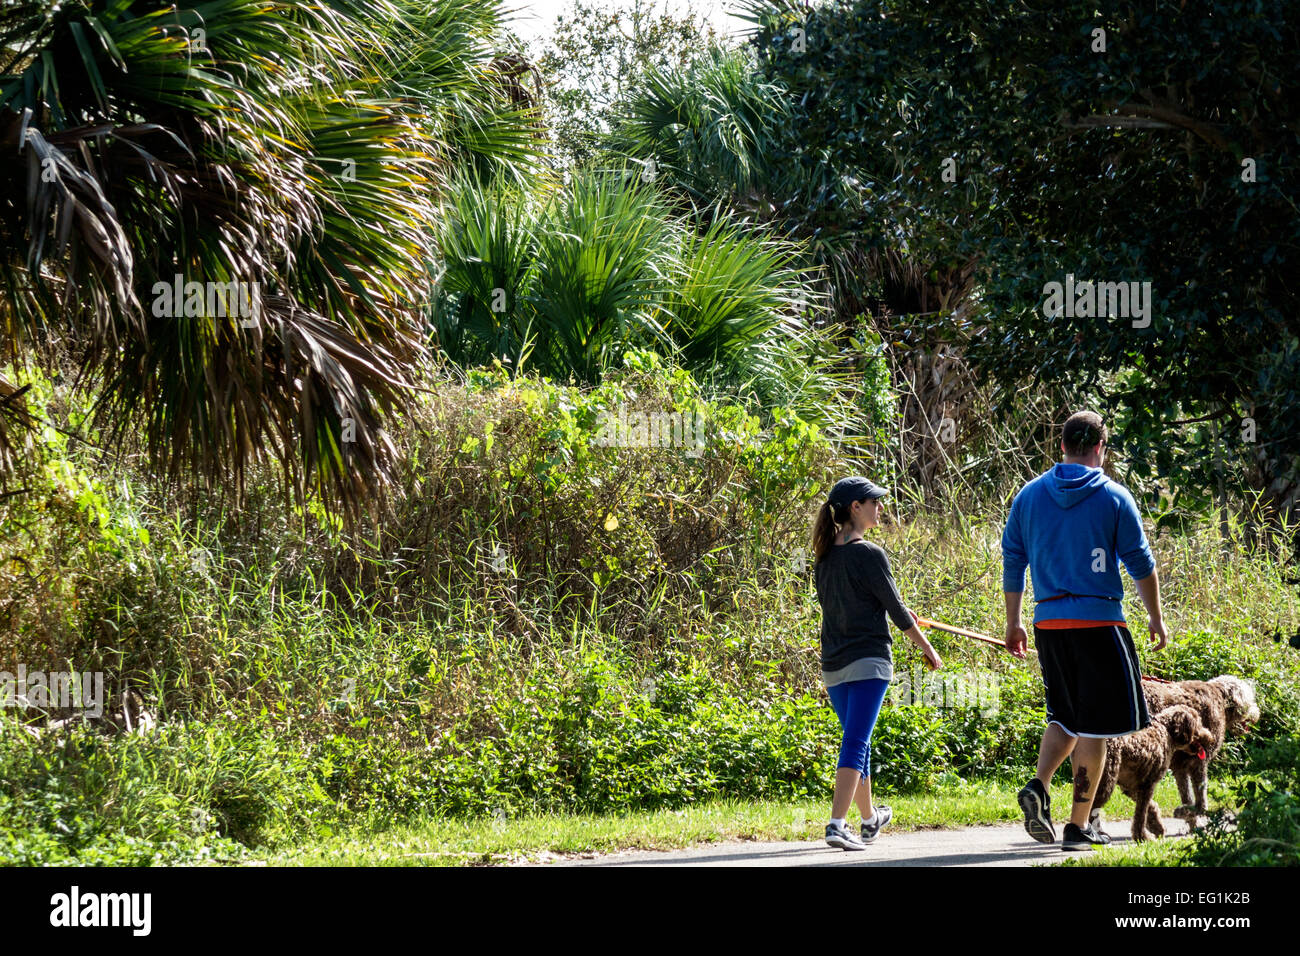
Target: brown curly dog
[(1138, 762), (1225, 705)]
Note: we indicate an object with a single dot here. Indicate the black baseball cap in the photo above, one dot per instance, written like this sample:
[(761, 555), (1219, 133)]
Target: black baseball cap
[(855, 488)]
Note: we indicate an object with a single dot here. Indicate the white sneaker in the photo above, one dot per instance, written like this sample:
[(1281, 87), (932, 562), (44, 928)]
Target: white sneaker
[(872, 830), (839, 835)]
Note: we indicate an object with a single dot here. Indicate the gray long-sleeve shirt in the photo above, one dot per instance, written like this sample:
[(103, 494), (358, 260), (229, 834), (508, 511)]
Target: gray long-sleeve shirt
[(859, 598)]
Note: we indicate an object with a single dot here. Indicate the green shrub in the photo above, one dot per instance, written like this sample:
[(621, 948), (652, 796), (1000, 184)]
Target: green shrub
[(172, 794), (1260, 825)]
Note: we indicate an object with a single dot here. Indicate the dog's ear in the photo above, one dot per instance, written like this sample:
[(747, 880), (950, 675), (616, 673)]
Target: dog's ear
[(1180, 723)]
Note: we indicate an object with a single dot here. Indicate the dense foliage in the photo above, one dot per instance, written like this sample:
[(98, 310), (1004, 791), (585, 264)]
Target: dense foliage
[(277, 164), (579, 418), (548, 621), (1031, 141)]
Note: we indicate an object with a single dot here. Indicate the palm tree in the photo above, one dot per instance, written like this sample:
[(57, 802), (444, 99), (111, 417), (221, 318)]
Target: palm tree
[(716, 130), (566, 280), (286, 157), (726, 142)]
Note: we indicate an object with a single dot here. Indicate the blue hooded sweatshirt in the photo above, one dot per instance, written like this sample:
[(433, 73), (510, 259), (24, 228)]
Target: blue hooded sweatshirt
[(1070, 524)]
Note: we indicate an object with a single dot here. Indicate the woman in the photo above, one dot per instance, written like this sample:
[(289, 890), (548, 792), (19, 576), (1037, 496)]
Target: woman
[(857, 595)]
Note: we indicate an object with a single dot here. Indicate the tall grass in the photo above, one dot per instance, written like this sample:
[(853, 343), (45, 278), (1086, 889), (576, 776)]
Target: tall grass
[(540, 624)]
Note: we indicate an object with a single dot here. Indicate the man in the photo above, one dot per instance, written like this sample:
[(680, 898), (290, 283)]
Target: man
[(1070, 525)]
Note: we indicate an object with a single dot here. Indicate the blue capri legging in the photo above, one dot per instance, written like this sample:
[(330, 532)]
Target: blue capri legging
[(857, 704)]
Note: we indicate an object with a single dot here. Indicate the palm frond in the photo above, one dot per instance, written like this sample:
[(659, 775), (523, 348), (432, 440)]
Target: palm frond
[(241, 144)]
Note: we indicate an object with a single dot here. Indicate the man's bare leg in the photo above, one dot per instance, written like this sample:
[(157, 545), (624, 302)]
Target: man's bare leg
[(1055, 747), (1088, 759)]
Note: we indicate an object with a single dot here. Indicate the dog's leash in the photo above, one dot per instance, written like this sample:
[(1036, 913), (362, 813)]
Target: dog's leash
[(939, 626), (976, 635), (963, 632)]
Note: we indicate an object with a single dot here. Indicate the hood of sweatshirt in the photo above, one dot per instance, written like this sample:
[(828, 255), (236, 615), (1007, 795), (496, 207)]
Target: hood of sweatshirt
[(1070, 484)]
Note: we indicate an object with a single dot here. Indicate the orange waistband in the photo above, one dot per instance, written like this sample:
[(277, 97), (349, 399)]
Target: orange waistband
[(1061, 624)]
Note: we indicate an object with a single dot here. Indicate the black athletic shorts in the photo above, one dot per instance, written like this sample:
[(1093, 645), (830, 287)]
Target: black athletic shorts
[(1093, 680)]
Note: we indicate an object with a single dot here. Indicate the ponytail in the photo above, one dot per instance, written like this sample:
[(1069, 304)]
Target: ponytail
[(830, 518)]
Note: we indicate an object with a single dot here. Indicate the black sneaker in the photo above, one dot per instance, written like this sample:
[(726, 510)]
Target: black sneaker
[(871, 831), (1037, 804), (841, 836), (1086, 838)]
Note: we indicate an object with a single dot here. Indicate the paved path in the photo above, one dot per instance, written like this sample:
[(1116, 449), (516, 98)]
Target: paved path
[(1002, 845)]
